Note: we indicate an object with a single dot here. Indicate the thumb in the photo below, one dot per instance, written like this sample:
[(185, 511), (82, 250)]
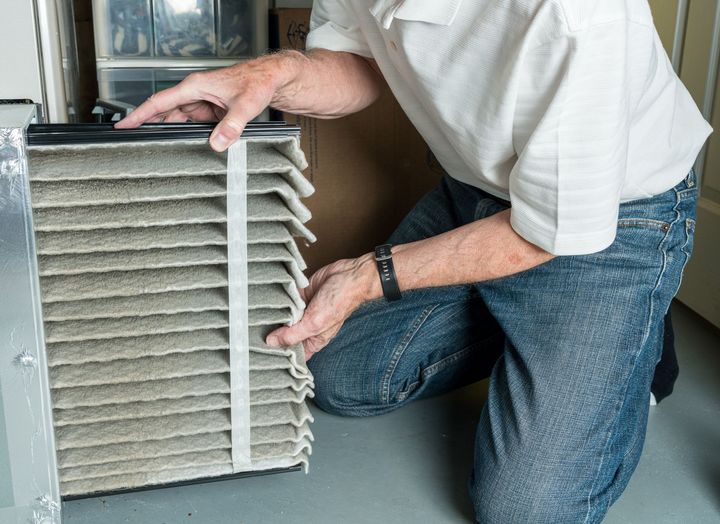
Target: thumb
[(291, 335), (230, 128)]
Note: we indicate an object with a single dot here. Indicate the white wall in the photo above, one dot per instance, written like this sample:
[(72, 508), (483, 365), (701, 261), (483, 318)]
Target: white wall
[(19, 63)]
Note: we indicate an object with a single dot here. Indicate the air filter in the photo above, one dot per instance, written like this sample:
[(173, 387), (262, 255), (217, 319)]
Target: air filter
[(159, 267)]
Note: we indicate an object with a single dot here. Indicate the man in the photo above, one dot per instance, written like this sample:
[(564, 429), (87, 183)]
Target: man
[(555, 243)]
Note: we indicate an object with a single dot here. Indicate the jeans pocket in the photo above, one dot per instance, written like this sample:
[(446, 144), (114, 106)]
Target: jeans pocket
[(644, 223), (647, 234)]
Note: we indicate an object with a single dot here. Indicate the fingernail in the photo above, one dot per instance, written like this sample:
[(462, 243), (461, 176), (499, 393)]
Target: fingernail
[(220, 142), (272, 341)]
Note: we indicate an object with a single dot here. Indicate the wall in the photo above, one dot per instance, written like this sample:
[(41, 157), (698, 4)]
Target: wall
[(19, 63), (701, 283)]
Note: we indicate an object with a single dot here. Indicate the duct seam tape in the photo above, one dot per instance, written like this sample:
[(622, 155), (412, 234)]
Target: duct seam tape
[(238, 305)]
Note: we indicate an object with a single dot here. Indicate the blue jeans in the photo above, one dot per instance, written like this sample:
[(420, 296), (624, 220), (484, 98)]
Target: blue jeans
[(570, 348)]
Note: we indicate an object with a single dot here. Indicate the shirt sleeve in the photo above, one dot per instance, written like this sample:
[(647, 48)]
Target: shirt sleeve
[(571, 135), (334, 26)]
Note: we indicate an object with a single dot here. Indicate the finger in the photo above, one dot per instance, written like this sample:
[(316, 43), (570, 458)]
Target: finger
[(310, 351), (317, 343), (314, 323), (230, 128), (303, 294), (157, 104), (157, 119), (315, 283), (314, 345), (202, 112), (176, 116), (189, 108), (309, 292), (291, 335)]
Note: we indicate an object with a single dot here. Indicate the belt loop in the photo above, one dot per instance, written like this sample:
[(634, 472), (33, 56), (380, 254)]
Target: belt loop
[(691, 179)]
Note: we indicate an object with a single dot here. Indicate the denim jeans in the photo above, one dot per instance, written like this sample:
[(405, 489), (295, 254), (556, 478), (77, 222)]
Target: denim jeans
[(570, 348)]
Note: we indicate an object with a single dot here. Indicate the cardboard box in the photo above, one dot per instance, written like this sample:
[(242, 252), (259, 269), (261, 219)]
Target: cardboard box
[(368, 169)]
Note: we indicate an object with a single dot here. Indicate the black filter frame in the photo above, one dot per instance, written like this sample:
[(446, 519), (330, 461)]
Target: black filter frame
[(181, 483), (59, 134)]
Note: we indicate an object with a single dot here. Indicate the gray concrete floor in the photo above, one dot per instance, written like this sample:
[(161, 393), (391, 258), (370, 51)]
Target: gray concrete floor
[(411, 466)]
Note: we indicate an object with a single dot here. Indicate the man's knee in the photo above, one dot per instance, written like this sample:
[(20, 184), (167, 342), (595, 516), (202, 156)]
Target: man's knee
[(516, 491), (345, 390)]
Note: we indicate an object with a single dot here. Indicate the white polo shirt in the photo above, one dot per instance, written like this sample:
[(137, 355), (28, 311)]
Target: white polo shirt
[(564, 107)]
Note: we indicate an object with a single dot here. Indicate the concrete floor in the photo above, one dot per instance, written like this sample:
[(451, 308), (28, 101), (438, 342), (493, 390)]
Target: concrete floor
[(411, 466)]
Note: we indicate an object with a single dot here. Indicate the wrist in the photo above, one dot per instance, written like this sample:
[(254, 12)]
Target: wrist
[(370, 287), (284, 69)]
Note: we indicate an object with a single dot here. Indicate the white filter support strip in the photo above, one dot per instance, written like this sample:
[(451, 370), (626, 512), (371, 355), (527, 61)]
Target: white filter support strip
[(238, 305)]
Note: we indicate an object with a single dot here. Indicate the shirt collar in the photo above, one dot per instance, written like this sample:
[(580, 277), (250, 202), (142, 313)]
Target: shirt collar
[(430, 11)]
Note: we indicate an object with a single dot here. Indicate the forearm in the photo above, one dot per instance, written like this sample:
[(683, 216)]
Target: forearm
[(482, 250), (479, 251), (321, 83)]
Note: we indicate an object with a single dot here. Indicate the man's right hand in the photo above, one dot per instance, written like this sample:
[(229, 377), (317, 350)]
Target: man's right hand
[(320, 83), (233, 95)]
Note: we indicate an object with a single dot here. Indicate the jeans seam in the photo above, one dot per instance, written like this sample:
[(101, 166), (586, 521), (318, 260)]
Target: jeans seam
[(400, 349), (638, 440), (645, 337), (441, 364), (689, 231), (438, 366), (403, 395)]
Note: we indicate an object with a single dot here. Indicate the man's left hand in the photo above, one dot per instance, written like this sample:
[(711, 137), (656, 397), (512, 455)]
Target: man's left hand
[(335, 291)]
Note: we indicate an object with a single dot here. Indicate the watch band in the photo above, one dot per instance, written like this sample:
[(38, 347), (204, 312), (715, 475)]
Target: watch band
[(386, 270)]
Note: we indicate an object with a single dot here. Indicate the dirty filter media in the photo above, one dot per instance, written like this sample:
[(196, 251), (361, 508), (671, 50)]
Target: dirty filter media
[(163, 266)]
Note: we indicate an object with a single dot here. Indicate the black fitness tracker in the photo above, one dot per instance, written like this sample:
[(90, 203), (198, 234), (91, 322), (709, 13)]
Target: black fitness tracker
[(388, 279)]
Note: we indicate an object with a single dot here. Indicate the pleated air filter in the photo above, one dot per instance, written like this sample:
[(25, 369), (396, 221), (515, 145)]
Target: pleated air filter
[(162, 266)]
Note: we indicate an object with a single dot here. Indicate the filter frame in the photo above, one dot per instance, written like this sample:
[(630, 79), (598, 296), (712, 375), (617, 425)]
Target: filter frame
[(59, 134), (31, 438), (181, 483)]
